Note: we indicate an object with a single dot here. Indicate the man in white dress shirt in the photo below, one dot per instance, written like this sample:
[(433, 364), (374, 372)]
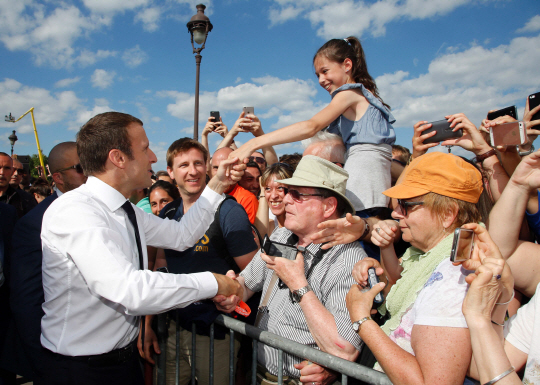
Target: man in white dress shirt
[(95, 289)]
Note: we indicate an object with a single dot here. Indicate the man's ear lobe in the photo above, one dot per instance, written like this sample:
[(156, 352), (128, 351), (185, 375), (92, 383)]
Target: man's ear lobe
[(330, 206)]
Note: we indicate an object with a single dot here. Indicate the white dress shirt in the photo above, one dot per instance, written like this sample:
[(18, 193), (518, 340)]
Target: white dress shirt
[(94, 290)]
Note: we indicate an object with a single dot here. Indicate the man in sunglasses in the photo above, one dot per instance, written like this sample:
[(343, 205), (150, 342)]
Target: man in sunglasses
[(26, 281), (17, 176), (307, 302), (21, 200)]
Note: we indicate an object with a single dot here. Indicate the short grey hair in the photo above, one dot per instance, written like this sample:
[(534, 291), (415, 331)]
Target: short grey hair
[(333, 148)]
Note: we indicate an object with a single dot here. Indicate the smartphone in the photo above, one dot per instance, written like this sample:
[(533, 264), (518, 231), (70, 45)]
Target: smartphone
[(444, 132), (534, 100), (249, 111), (215, 115), (463, 245), (510, 111), (277, 249), (372, 281), (508, 134)]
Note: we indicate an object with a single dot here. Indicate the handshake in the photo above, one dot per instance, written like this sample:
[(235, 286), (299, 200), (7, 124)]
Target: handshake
[(230, 292)]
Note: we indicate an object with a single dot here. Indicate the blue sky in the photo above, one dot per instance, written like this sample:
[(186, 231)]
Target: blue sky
[(73, 59)]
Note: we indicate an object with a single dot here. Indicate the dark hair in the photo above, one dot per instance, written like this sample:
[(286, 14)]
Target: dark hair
[(254, 165), (167, 187), (342, 206), (291, 159), (338, 50), (100, 135), (40, 187), (162, 173), (402, 153), (184, 145)]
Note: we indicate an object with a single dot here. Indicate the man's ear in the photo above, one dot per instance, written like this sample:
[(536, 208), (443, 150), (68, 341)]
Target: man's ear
[(330, 206), (170, 172), (118, 158), (58, 179)]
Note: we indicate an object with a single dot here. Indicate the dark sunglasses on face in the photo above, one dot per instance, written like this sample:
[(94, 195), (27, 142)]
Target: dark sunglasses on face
[(404, 205), (257, 159), (19, 170), (76, 167), (297, 195)]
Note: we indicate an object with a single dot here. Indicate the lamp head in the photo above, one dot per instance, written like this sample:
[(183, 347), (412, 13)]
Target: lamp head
[(199, 26), (12, 138)]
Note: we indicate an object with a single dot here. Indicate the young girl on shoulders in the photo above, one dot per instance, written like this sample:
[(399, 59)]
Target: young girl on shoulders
[(356, 113)]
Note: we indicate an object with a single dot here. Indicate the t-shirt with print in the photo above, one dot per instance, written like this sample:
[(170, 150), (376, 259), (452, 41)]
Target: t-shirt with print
[(524, 334), (438, 304)]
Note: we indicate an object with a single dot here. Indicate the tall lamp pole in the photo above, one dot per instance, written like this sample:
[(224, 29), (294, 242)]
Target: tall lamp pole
[(13, 120), (12, 139), (198, 27)]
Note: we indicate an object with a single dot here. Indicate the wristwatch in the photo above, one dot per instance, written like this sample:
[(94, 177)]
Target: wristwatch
[(356, 325), (298, 294)]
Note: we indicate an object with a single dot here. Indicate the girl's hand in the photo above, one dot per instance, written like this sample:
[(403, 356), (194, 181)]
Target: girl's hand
[(486, 254), (360, 303), (221, 129), (360, 270), (472, 139), (527, 116), (209, 127), (419, 148), (384, 233)]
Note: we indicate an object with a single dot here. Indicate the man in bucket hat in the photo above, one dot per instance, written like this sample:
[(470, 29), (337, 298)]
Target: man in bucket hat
[(303, 296)]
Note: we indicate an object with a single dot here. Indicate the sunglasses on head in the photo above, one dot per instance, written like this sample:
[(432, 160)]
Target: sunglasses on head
[(297, 195), (77, 167), (257, 159), (404, 205)]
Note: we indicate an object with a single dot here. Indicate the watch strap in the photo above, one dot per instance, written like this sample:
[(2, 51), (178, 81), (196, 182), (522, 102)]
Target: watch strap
[(298, 294), (357, 324), (480, 158)]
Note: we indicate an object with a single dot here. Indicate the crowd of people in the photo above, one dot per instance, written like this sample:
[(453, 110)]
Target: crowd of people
[(85, 268)]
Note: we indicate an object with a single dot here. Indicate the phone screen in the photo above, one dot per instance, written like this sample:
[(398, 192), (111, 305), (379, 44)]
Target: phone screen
[(534, 100), (463, 245)]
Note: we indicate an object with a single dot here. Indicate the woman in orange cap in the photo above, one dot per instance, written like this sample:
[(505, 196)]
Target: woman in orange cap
[(425, 339)]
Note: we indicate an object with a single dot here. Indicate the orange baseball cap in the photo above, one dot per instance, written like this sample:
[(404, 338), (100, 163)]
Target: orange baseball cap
[(444, 174)]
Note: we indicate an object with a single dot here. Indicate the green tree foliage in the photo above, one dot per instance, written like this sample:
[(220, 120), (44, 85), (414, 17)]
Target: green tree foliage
[(34, 162)]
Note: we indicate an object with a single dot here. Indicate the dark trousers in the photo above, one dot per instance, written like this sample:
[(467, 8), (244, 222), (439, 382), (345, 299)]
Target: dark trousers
[(65, 370)]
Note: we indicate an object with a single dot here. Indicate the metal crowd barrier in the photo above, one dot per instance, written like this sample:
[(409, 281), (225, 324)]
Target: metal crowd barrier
[(284, 345)]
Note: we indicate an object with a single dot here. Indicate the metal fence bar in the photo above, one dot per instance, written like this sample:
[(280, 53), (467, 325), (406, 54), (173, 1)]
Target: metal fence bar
[(348, 368), (231, 357), (161, 359), (211, 366), (280, 367), (254, 363), (177, 354)]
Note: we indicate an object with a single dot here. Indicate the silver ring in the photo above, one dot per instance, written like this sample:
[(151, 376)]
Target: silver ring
[(378, 230)]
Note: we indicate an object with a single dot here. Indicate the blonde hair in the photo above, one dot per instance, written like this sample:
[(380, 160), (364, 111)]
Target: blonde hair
[(439, 205)]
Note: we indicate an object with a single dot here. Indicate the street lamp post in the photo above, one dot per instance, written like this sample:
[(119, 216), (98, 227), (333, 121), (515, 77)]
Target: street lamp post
[(12, 139), (11, 119), (198, 27)]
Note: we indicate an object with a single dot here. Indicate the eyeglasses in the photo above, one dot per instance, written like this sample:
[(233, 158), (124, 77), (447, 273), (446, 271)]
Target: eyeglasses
[(76, 167), (257, 159), (19, 170), (404, 205), (297, 195)]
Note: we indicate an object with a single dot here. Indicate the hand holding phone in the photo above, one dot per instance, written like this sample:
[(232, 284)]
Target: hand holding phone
[(534, 101), (510, 111), (508, 134), (443, 132), (276, 249), (372, 281)]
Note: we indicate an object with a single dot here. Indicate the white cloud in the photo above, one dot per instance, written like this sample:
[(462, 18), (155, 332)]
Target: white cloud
[(351, 17), (149, 18), (266, 93), (84, 115), (113, 6), (67, 82), (532, 25), (156, 119), (102, 79), (134, 57), (87, 58), (472, 81)]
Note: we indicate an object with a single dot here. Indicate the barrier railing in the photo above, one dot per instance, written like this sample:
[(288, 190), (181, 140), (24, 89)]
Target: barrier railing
[(346, 368)]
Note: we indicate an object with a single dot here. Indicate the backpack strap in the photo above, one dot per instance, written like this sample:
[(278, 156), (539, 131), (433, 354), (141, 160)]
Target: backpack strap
[(215, 235)]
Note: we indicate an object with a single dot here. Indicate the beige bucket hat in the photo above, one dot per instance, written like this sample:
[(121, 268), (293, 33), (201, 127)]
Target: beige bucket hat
[(313, 171)]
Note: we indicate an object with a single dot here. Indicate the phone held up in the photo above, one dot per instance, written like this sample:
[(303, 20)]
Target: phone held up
[(249, 111), (443, 132), (372, 281), (508, 134), (215, 115), (463, 245), (534, 101), (510, 111), (276, 249)]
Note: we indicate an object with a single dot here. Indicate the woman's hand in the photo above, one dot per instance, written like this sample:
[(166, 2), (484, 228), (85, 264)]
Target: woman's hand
[(532, 133), (360, 303), (384, 233), (360, 270), (419, 148), (209, 127), (495, 281), (472, 139), (339, 231), (221, 129), (527, 173)]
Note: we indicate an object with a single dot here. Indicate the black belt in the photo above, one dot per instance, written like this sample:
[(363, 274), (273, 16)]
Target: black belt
[(114, 357)]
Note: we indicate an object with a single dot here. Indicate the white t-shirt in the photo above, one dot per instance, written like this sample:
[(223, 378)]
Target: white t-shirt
[(438, 304), (524, 334)]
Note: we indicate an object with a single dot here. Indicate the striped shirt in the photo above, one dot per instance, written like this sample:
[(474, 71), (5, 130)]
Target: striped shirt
[(330, 280)]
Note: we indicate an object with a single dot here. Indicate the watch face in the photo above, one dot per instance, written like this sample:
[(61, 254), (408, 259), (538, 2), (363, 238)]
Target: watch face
[(355, 326)]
